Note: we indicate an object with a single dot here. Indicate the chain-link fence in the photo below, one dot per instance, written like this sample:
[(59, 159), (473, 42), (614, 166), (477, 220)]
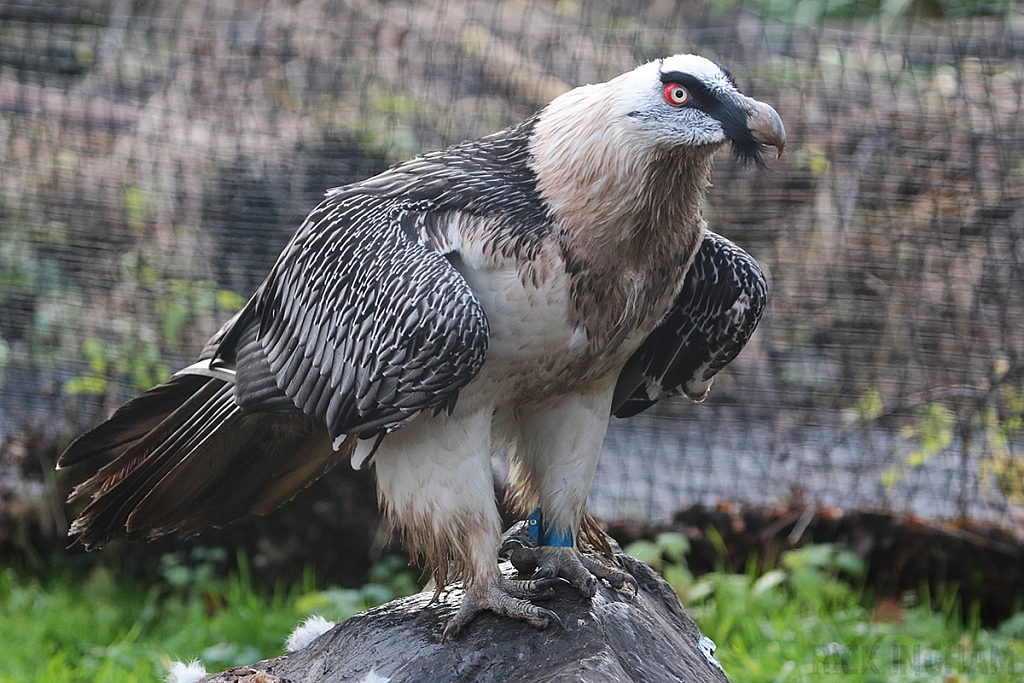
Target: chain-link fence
[(154, 157)]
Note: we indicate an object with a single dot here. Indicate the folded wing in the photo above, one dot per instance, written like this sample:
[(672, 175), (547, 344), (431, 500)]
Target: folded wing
[(714, 314), (359, 326)]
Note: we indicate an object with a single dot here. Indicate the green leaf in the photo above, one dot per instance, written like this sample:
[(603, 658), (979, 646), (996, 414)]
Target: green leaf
[(850, 562), (674, 546), (890, 476), (230, 301), (311, 602), (85, 385), (679, 578), (94, 352), (870, 405), (816, 556), (701, 590), (769, 581), (645, 551), (135, 204)]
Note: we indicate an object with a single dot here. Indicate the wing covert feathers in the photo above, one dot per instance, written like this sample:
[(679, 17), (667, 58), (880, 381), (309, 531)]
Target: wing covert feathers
[(363, 321), (714, 314), (362, 326)]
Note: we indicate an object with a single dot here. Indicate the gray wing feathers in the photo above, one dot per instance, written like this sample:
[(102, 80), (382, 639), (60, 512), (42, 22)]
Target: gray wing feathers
[(363, 321), (362, 325), (714, 314)]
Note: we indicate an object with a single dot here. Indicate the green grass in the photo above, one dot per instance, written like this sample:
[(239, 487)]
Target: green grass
[(808, 619), (111, 630)]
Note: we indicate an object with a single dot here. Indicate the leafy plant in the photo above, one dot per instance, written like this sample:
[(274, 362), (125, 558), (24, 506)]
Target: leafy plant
[(1004, 432), (390, 578), (94, 380), (195, 572), (666, 554), (134, 358), (138, 355), (809, 619), (933, 432), (181, 299), (987, 421), (813, 11)]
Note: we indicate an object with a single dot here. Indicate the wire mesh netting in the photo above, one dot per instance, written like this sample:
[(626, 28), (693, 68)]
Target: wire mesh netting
[(155, 157)]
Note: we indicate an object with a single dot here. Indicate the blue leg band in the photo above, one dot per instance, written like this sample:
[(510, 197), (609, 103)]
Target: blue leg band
[(533, 523), (544, 535)]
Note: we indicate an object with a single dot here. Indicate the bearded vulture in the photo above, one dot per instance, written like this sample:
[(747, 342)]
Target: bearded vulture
[(512, 291)]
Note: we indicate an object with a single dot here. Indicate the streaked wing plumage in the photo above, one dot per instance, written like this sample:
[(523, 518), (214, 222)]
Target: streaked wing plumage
[(714, 314), (364, 321), (363, 326)]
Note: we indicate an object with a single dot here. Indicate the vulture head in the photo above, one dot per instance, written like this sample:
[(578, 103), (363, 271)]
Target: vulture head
[(688, 100), (594, 142)]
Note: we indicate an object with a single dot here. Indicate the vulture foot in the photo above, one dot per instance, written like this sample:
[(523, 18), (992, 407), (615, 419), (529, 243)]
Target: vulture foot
[(566, 562), (509, 598)]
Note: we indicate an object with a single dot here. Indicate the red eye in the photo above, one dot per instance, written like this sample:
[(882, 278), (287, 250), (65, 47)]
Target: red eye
[(676, 94)]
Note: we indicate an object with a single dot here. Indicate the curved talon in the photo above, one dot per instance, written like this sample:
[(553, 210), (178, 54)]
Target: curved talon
[(451, 630), (548, 583), (552, 618), (544, 573), (581, 571), (614, 576), (549, 565), (580, 577), (507, 597)]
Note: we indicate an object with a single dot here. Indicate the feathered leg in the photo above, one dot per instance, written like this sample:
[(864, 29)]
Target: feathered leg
[(552, 470), (435, 485)]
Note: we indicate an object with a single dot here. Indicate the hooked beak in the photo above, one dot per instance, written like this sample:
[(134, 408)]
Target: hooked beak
[(765, 126)]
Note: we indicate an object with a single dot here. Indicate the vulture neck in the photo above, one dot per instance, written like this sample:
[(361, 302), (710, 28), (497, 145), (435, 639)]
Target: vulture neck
[(627, 216)]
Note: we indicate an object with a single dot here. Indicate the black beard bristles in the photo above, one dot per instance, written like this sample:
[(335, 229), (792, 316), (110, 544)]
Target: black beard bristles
[(749, 152)]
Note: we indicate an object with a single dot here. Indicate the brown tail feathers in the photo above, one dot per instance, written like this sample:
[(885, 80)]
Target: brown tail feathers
[(184, 457)]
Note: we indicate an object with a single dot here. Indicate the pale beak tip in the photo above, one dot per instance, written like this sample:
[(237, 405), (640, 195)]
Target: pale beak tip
[(766, 126)]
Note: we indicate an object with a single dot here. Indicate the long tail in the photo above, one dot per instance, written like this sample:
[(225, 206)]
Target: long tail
[(184, 457)]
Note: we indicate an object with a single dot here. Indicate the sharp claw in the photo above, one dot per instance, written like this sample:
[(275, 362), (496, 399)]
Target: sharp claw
[(451, 631), (552, 618), (529, 589), (614, 576), (547, 582), (544, 573)]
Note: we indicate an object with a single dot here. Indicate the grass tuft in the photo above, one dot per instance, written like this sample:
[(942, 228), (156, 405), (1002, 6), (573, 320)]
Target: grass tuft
[(811, 619), (105, 628)]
